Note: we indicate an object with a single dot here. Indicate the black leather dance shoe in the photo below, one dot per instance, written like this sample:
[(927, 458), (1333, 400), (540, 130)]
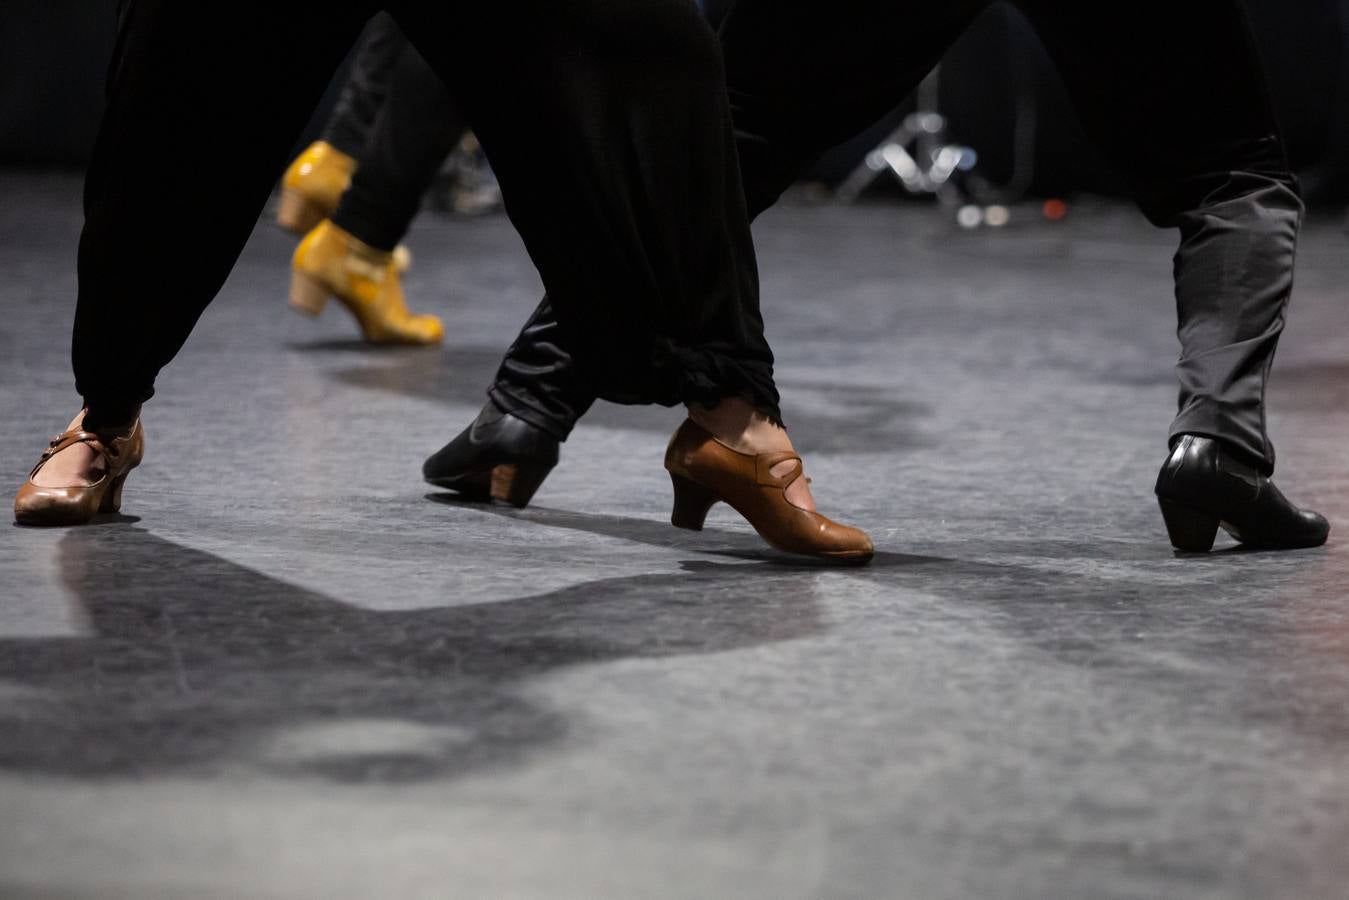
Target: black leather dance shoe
[(498, 457), (1202, 486)]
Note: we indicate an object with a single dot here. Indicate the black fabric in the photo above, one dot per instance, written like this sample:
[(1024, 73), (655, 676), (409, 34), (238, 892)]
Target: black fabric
[(635, 220), (106, 418), (1173, 93), (417, 126), (537, 381), (363, 94)]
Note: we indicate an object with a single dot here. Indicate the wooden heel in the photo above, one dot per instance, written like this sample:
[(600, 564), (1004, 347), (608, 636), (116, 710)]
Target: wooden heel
[(516, 483), (691, 503), (307, 294), (1191, 530), (297, 212)]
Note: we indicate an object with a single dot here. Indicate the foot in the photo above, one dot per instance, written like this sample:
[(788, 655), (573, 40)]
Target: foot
[(331, 262), (744, 429), (1203, 485), (498, 457), (79, 475), (312, 186), (78, 465)]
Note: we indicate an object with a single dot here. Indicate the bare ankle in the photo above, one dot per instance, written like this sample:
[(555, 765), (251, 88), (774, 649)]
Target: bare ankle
[(738, 425)]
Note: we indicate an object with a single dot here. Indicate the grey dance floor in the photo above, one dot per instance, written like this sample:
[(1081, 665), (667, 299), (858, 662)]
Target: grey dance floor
[(293, 670)]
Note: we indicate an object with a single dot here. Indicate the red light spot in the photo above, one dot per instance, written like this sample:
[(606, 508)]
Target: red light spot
[(1055, 210)]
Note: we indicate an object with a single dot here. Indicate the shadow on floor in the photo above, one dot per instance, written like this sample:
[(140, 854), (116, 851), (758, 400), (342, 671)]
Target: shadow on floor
[(193, 662), (740, 545), (1131, 612)]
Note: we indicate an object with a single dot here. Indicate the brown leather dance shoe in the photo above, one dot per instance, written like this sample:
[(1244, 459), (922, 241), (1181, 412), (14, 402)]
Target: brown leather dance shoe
[(36, 504), (704, 471)]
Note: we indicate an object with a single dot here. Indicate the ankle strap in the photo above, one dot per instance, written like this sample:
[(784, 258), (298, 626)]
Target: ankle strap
[(70, 439)]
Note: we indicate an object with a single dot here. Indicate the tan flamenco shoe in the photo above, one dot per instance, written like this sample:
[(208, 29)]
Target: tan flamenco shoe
[(704, 471), (37, 504)]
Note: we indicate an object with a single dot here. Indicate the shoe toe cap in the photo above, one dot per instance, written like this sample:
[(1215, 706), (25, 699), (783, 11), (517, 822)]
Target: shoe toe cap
[(845, 541), (1315, 525), (433, 328), (37, 505)]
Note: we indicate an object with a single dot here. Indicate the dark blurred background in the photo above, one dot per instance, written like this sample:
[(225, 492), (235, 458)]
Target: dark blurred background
[(998, 91)]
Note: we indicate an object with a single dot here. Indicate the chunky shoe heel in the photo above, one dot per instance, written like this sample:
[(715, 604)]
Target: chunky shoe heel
[(692, 502), (498, 456), (298, 212), (516, 483), (1191, 530), (308, 295), (112, 500)]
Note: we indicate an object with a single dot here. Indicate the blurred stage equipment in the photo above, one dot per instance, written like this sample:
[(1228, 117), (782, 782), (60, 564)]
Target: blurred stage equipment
[(466, 185), (916, 153), (922, 158)]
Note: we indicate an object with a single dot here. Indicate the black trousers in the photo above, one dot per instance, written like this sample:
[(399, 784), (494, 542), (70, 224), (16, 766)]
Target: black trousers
[(637, 225), (367, 85), (398, 120), (1173, 92)]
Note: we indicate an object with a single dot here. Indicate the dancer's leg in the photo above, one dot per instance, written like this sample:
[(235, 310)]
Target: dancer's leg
[(366, 89), (1176, 94), (636, 221), (867, 57), (634, 213), (352, 256), (316, 179), (418, 126), (183, 76), (203, 76)]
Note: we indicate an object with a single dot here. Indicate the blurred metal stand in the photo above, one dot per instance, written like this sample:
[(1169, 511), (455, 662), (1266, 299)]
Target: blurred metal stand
[(916, 153)]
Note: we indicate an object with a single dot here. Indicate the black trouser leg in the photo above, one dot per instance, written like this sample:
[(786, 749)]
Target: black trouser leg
[(1176, 94), (234, 84), (367, 85), (865, 57), (608, 128), (416, 128), (538, 380)]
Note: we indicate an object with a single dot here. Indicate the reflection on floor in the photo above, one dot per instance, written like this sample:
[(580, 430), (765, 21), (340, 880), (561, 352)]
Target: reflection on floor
[(292, 669)]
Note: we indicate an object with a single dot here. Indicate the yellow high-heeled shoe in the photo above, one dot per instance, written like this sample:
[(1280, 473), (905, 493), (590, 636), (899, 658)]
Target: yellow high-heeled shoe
[(331, 262), (312, 186)]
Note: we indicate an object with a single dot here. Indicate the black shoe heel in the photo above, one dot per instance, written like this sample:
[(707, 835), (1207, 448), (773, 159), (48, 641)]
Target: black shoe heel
[(516, 483), (1191, 530)]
